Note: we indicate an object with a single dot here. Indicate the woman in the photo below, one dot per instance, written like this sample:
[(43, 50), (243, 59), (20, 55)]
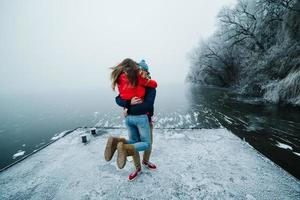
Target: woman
[(130, 84)]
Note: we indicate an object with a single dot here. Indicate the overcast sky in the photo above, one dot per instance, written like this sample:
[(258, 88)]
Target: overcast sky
[(72, 43)]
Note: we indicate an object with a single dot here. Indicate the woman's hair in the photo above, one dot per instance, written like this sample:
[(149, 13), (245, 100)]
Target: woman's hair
[(131, 70)]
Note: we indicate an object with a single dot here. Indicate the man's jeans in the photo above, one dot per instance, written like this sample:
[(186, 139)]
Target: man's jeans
[(138, 131)]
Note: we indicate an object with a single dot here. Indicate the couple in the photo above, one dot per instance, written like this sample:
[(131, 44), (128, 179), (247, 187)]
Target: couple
[(136, 95)]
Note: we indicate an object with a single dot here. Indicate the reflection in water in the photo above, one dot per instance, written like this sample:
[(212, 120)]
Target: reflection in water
[(272, 130)]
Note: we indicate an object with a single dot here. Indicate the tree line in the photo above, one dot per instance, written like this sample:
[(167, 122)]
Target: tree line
[(255, 51)]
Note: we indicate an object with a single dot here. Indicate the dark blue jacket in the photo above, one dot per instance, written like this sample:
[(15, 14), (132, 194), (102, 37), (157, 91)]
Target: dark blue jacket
[(140, 109)]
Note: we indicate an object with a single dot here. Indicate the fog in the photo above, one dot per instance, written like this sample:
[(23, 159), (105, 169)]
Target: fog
[(51, 45)]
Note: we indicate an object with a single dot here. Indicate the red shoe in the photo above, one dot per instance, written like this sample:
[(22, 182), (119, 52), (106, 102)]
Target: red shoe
[(134, 174), (149, 165)]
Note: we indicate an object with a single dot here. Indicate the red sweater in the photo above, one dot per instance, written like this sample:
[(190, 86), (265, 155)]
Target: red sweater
[(127, 91)]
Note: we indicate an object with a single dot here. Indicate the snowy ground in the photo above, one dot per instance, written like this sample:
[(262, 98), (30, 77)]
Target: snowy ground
[(192, 164)]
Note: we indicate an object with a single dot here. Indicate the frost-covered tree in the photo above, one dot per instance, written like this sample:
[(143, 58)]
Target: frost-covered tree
[(256, 51)]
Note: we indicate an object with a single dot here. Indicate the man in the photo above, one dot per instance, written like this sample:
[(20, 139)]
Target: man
[(136, 106)]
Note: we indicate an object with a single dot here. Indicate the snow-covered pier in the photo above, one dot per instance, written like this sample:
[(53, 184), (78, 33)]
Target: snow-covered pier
[(192, 164)]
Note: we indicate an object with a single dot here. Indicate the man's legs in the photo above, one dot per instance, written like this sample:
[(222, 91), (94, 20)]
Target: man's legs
[(144, 130), (147, 153)]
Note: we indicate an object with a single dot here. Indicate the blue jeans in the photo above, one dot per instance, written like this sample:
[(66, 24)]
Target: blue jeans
[(138, 131)]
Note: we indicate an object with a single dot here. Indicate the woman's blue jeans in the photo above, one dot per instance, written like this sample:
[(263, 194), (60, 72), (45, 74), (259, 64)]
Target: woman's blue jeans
[(138, 131)]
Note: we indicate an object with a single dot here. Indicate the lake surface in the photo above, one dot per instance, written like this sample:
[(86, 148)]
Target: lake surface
[(31, 121)]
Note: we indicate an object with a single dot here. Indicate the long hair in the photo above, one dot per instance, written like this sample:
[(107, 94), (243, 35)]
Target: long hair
[(129, 67)]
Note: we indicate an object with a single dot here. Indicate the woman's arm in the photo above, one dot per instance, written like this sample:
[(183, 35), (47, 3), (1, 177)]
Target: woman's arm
[(147, 82)]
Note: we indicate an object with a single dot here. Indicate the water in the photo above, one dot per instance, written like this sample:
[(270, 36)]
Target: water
[(271, 129), (31, 121)]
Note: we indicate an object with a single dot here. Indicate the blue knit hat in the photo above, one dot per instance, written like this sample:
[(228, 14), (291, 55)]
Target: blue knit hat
[(143, 65)]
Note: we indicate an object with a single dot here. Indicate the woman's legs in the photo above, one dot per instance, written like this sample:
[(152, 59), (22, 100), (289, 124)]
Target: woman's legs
[(112, 142), (129, 149), (133, 132), (138, 131), (111, 147)]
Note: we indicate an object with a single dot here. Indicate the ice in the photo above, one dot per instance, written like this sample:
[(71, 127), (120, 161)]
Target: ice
[(192, 164), (18, 154), (60, 135), (284, 146), (298, 154), (175, 120), (40, 144), (227, 120), (106, 124)]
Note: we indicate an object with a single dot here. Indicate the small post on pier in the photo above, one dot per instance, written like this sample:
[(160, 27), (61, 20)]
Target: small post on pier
[(93, 131), (84, 138)]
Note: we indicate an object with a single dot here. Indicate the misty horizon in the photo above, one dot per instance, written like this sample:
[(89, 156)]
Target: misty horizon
[(53, 45)]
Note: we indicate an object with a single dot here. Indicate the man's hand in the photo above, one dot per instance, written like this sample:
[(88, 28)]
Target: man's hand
[(136, 100)]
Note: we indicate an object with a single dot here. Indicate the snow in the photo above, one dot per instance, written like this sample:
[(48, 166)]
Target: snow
[(227, 120), (18, 154), (298, 154), (59, 135), (250, 197), (284, 146), (192, 164)]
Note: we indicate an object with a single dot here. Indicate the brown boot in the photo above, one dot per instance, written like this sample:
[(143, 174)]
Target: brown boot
[(124, 150), (111, 147)]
